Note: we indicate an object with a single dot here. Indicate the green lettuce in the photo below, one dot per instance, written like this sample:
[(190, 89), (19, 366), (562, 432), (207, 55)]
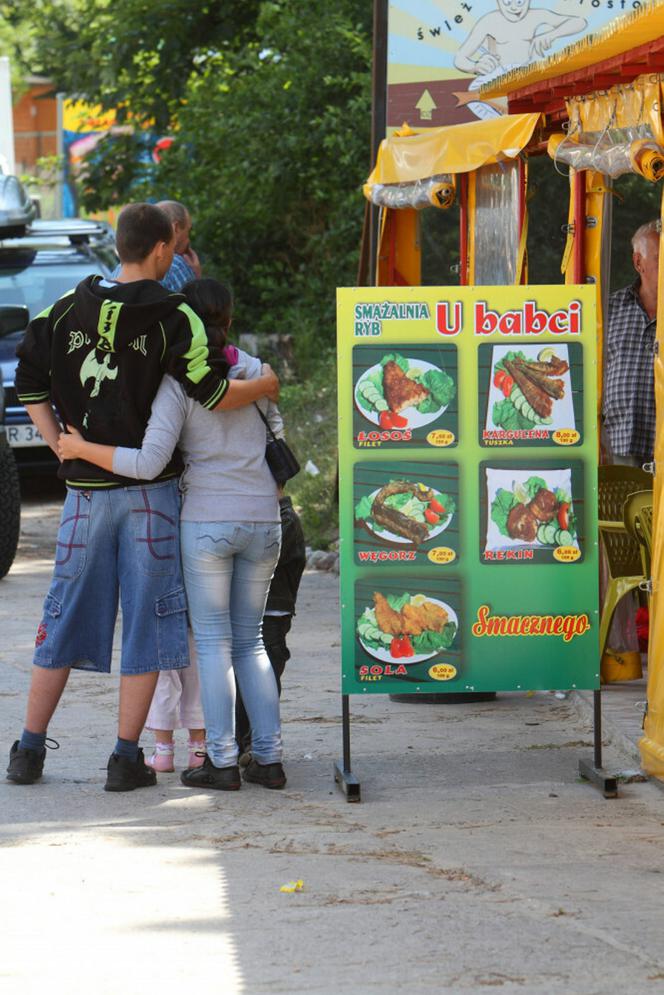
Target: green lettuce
[(502, 504), (363, 508), (533, 485), (397, 601), (433, 642), (395, 358), (506, 416), (442, 390)]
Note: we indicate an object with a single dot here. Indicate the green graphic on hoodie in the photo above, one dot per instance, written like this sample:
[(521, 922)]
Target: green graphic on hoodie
[(109, 313)]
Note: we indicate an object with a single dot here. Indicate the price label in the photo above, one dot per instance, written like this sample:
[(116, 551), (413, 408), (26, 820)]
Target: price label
[(442, 672), (440, 437), (565, 436), (566, 554), (441, 554)]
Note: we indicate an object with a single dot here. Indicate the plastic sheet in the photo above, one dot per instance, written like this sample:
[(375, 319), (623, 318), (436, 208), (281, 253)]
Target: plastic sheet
[(436, 191), (644, 157), (494, 219)]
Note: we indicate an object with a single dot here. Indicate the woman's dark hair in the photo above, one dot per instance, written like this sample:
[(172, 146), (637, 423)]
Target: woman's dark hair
[(213, 303)]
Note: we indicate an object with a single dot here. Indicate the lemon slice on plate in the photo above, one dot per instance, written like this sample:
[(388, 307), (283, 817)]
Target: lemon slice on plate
[(546, 355)]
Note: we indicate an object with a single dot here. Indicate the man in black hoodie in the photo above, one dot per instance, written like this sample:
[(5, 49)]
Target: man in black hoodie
[(98, 354)]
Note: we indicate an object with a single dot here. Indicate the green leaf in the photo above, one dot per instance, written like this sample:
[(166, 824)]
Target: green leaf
[(505, 415), (442, 388), (432, 642), (397, 601), (533, 485), (363, 508), (502, 504)]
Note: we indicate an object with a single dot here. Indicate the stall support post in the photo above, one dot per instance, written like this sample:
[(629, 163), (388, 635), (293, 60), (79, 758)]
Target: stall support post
[(342, 772), (592, 770)]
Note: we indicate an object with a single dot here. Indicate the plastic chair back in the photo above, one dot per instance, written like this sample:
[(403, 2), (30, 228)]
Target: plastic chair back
[(638, 514), (616, 484)]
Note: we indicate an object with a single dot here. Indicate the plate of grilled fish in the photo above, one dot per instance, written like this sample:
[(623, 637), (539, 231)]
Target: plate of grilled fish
[(530, 388), (405, 512), (409, 628), (401, 392)]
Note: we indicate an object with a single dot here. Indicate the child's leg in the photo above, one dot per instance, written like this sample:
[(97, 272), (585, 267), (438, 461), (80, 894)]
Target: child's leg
[(275, 630), (162, 719), (191, 709)]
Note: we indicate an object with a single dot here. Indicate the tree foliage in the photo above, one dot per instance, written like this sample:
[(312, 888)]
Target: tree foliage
[(269, 103)]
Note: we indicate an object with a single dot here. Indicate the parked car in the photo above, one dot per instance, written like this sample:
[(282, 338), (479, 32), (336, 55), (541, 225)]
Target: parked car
[(35, 269), (39, 261)]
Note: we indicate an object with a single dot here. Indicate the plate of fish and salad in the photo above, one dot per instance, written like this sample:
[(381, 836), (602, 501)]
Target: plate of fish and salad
[(403, 511), (530, 388), (530, 508), (401, 392), (405, 627)]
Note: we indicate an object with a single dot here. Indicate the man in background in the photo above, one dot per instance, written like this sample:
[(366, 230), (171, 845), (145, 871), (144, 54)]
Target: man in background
[(185, 265), (628, 405)]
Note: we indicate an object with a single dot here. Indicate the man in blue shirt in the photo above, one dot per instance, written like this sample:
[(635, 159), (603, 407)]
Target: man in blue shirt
[(185, 265)]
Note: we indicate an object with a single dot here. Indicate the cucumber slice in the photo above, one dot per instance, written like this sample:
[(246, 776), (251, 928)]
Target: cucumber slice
[(550, 533), (540, 534), (565, 538)]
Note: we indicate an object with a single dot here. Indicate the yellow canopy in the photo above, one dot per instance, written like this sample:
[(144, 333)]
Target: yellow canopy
[(460, 148)]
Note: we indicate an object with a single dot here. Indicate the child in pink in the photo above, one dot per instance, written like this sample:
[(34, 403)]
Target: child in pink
[(176, 704)]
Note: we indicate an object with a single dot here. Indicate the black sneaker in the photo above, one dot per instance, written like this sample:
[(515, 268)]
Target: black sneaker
[(125, 774), (269, 775), (209, 776), (26, 766)]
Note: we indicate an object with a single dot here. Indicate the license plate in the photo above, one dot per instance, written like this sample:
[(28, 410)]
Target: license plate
[(23, 435)]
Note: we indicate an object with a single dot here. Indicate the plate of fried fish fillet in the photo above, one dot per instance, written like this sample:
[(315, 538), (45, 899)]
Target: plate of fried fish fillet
[(397, 392), (421, 619)]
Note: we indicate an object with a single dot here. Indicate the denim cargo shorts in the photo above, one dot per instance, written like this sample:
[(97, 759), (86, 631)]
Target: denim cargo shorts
[(116, 545)]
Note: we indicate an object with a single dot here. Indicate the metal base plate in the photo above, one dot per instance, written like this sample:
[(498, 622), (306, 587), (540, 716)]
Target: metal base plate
[(348, 783), (606, 783)]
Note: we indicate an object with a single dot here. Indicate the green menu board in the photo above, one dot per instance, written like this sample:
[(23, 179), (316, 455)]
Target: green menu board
[(468, 488)]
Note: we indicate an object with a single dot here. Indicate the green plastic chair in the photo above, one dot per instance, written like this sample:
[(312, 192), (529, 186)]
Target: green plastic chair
[(638, 512), (623, 552)]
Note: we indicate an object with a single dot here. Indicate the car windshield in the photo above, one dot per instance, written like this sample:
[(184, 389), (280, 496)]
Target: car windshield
[(40, 285)]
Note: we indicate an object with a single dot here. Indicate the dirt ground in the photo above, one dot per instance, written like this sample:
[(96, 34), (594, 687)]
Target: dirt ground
[(477, 859)]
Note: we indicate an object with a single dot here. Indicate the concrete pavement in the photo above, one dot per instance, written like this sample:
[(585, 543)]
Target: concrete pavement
[(477, 860)]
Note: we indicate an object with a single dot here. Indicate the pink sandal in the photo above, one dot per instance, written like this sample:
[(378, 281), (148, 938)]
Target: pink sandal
[(196, 753), (162, 758)]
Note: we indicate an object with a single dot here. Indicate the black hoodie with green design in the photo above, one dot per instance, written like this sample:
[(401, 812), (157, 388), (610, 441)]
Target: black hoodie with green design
[(99, 353)]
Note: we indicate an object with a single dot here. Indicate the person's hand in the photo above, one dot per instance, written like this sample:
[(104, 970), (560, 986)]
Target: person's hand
[(68, 443), (488, 63), (540, 45), (271, 382), (191, 258)]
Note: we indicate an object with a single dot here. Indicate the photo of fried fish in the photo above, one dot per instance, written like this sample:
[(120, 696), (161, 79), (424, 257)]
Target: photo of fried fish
[(412, 620), (400, 391)]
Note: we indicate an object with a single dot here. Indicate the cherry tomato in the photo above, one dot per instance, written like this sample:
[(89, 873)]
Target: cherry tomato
[(436, 506), (407, 647), (398, 421), (506, 385), (385, 419), (431, 516), (395, 648), (498, 378), (563, 515)]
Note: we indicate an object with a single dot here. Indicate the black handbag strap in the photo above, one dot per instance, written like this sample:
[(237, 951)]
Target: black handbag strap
[(266, 422)]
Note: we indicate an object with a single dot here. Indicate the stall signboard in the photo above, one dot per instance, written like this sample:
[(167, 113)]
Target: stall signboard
[(440, 52), (468, 488)]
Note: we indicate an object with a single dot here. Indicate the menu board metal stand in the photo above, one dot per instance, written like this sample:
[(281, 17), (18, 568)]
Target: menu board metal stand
[(592, 770), (343, 775)]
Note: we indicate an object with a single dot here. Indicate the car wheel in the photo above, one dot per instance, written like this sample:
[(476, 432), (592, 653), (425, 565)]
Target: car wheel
[(10, 508)]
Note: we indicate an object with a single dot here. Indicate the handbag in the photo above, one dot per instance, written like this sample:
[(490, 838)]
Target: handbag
[(279, 456)]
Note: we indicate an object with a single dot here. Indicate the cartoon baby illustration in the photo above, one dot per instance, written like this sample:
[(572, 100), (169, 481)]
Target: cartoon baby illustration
[(512, 35)]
